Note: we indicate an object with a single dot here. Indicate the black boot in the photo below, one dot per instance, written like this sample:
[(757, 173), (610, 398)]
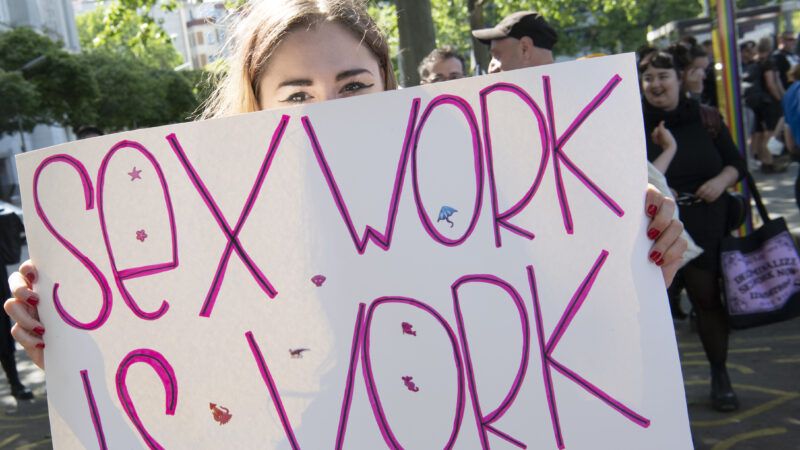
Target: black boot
[(723, 399)]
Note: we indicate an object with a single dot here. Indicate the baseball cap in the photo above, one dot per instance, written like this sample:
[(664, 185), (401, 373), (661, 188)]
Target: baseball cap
[(519, 25)]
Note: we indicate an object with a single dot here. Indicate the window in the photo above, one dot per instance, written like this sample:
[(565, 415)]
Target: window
[(199, 38)]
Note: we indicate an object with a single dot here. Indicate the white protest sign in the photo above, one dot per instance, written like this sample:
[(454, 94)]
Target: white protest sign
[(460, 265)]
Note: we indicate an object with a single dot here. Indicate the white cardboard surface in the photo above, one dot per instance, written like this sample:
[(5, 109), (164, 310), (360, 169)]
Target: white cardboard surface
[(617, 339)]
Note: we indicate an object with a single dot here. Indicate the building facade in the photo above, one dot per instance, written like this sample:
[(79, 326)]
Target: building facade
[(55, 19)]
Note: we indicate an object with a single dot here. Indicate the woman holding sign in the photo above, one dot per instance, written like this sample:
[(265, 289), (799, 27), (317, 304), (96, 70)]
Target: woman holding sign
[(694, 149), (291, 52)]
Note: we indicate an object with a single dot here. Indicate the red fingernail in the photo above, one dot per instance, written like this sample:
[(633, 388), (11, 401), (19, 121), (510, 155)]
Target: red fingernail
[(40, 345), (39, 330), (32, 300), (652, 233), (659, 262), (655, 256), (31, 277), (652, 210)]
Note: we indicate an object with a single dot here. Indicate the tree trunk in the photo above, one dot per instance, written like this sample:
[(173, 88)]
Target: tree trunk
[(417, 37), (480, 50)]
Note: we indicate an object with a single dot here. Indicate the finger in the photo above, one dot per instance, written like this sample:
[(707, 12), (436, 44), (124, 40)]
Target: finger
[(33, 345), (653, 201), (675, 251), (28, 270), (22, 315), (17, 280), (28, 340), (662, 219), (669, 269), (669, 245), (21, 291)]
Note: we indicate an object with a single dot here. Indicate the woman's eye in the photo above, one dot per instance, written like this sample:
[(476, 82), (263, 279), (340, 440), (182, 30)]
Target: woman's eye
[(355, 86), (297, 97)]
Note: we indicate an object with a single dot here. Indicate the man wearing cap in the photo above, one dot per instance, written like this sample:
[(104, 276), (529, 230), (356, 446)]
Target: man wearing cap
[(523, 39)]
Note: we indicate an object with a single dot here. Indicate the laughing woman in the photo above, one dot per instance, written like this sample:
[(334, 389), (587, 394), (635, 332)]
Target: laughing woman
[(700, 162)]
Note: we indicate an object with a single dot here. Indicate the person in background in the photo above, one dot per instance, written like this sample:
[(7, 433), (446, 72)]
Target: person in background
[(791, 114), (87, 132), (694, 75), (709, 96), (296, 52), (700, 164), (442, 64), (11, 230), (783, 58), (764, 99), (751, 85), (522, 39)]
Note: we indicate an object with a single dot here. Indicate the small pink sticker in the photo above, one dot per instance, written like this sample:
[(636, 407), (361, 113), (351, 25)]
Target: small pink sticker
[(220, 413), (135, 174), (318, 280), (410, 384), (141, 235)]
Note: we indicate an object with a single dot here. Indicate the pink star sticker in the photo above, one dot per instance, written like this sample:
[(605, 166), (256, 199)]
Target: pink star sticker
[(134, 174), (141, 235)]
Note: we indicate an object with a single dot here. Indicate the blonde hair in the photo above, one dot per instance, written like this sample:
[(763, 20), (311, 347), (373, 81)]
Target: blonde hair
[(263, 24)]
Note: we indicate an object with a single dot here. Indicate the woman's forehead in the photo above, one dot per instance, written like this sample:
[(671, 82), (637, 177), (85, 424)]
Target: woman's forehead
[(656, 70), (325, 47)]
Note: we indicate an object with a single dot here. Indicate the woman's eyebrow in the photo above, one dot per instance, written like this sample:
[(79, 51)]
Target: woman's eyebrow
[(351, 73), (296, 82)]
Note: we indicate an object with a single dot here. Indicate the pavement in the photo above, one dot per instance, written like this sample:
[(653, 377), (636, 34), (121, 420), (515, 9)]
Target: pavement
[(764, 364)]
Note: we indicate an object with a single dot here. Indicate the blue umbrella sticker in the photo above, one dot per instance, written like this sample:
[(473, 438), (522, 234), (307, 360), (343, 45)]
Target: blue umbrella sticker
[(445, 213)]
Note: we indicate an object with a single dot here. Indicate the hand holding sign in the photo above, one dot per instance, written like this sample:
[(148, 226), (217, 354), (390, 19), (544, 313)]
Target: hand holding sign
[(264, 235)]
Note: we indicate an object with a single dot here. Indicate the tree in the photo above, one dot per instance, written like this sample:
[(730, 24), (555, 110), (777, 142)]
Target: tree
[(133, 61), (417, 37), (21, 103), (585, 26), (65, 90), (133, 95), (112, 29)]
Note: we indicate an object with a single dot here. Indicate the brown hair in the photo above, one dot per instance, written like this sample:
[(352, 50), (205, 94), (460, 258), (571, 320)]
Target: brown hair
[(439, 54), (261, 27)]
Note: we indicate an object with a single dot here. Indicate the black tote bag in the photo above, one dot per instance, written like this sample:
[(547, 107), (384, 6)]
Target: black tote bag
[(761, 272)]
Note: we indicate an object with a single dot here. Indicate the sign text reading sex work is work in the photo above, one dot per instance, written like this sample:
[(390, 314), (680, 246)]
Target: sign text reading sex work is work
[(460, 265)]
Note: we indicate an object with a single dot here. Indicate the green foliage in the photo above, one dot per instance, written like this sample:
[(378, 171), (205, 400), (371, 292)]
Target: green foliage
[(451, 19), (21, 103), (741, 4), (385, 15), (21, 45), (55, 87), (133, 95), (585, 26), (132, 59), (118, 30), (610, 26)]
